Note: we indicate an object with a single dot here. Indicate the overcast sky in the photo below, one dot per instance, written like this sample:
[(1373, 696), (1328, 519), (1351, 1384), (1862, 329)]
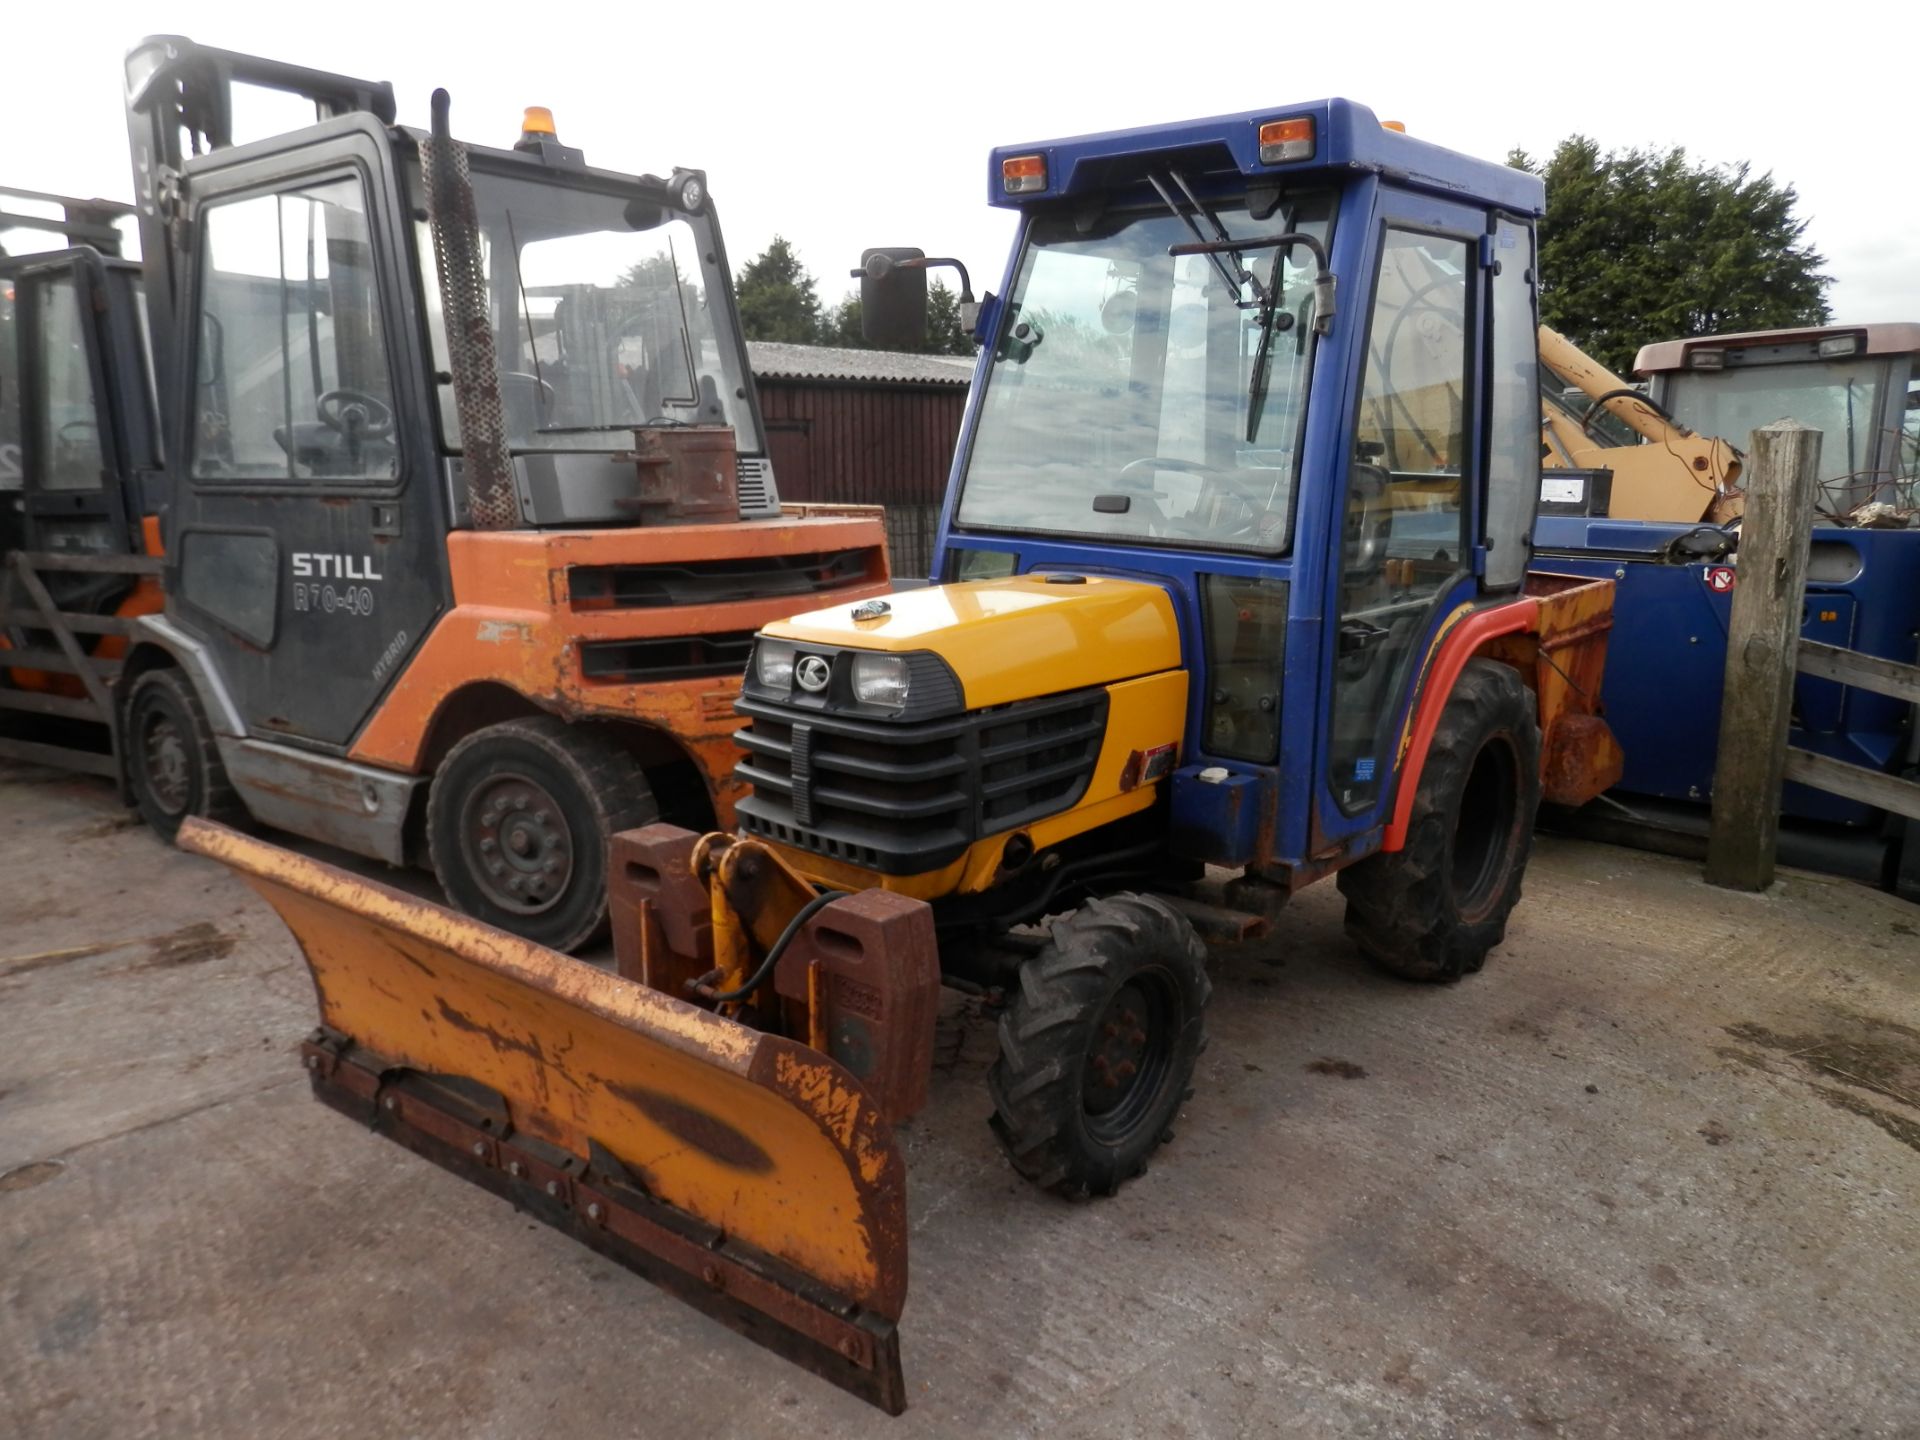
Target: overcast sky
[(840, 127)]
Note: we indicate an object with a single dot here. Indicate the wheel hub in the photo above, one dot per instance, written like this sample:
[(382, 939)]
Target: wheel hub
[(164, 750), (519, 843), (1127, 1059)]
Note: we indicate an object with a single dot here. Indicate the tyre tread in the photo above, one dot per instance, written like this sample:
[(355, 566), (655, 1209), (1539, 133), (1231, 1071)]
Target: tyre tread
[(1033, 1083), (1399, 906)]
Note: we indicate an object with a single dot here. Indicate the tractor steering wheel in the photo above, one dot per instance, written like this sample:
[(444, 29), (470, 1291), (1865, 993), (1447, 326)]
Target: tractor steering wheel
[(1232, 484), (545, 387), (376, 416)]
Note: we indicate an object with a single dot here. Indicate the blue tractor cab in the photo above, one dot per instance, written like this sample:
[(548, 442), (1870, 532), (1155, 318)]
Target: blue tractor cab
[(1322, 472), (1232, 571)]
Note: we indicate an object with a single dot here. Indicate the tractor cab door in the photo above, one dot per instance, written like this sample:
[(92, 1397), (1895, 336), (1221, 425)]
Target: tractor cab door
[(69, 456), (1442, 473), (308, 548)]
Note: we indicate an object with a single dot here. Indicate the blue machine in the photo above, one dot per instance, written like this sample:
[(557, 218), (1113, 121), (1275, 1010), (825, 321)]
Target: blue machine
[(1317, 802), (1671, 602), (1232, 571)]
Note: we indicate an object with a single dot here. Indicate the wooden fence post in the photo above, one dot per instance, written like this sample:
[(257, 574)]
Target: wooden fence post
[(1780, 480)]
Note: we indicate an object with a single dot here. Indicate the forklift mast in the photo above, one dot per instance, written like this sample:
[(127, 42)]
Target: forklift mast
[(91, 223)]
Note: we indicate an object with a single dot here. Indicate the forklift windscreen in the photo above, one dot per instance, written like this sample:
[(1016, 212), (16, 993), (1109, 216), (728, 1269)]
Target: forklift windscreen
[(1117, 402), (600, 316)]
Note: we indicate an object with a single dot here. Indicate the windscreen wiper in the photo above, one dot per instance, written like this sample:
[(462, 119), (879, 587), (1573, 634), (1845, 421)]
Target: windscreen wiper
[(1322, 303), (1239, 278)]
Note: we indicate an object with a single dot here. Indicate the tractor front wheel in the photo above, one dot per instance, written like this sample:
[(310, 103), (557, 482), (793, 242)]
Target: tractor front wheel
[(518, 821), (1097, 1050), (1434, 908)]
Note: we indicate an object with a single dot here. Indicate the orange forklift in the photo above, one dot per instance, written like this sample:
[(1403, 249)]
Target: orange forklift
[(467, 514)]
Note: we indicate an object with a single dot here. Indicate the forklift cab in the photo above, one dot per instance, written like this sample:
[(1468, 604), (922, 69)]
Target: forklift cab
[(311, 400), (79, 460)]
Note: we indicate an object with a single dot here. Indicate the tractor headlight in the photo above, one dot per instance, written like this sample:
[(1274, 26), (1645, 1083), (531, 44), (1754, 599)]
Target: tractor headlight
[(773, 664), (880, 680)]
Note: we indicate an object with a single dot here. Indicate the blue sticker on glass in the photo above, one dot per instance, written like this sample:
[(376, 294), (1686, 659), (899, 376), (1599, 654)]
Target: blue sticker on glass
[(1363, 769)]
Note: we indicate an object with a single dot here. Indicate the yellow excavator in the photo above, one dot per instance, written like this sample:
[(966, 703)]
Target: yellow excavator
[(1676, 475)]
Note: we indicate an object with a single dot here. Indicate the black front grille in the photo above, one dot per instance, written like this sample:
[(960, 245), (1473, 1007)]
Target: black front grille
[(673, 657), (904, 799), (710, 582)]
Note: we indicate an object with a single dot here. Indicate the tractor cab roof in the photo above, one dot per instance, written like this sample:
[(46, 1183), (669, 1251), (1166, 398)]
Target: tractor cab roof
[(1224, 153), (1814, 342)]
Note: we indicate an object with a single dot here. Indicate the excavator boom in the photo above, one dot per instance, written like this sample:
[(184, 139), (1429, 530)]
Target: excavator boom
[(1677, 476)]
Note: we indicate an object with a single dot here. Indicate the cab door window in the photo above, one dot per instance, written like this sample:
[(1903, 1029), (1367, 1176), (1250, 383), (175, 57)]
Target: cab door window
[(292, 378), (1404, 523), (67, 426), (1513, 407)]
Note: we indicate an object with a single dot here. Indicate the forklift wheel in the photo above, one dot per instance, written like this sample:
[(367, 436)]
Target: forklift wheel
[(1097, 1050), (1433, 909), (173, 765), (518, 821)]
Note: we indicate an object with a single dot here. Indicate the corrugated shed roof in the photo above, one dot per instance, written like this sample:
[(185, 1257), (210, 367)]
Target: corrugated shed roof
[(773, 360)]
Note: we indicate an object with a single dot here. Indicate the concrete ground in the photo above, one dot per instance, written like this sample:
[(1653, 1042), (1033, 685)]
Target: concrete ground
[(1652, 1174)]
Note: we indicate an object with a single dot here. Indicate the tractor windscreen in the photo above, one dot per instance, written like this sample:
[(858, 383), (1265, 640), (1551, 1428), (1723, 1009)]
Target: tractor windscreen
[(1126, 383), (603, 315)]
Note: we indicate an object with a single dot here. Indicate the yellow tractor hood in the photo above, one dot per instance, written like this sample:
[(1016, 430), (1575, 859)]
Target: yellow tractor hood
[(1015, 638)]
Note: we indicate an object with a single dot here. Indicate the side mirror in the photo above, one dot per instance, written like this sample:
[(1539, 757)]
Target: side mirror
[(893, 297)]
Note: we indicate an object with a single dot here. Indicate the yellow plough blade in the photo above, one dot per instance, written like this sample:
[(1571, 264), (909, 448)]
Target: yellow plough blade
[(742, 1171)]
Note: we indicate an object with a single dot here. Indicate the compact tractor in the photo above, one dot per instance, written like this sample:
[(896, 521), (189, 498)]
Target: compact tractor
[(1232, 594)]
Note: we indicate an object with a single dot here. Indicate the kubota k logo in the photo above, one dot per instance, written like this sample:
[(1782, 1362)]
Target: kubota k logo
[(812, 673)]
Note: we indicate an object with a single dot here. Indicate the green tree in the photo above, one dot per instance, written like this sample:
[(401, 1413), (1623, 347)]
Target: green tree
[(777, 297), (944, 335), (1641, 245), (841, 325)]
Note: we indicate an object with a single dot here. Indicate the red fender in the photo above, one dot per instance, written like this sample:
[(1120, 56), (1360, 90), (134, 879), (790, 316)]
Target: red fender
[(1456, 644)]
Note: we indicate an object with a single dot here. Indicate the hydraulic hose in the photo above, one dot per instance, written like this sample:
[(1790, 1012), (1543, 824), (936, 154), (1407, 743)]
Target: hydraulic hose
[(759, 977)]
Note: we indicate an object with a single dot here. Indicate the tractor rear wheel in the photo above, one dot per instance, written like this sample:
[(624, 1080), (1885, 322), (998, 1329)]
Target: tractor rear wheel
[(518, 821), (1097, 1050), (1434, 908), (173, 764)]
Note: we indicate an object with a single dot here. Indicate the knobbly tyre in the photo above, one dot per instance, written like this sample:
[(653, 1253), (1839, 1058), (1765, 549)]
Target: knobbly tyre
[(464, 497), (1233, 572)]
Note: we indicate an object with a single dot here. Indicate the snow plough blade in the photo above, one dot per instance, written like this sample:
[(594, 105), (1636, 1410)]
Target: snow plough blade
[(742, 1172)]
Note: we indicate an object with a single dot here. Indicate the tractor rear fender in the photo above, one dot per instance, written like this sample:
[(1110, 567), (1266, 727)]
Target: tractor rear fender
[(1555, 634), (740, 1170)]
